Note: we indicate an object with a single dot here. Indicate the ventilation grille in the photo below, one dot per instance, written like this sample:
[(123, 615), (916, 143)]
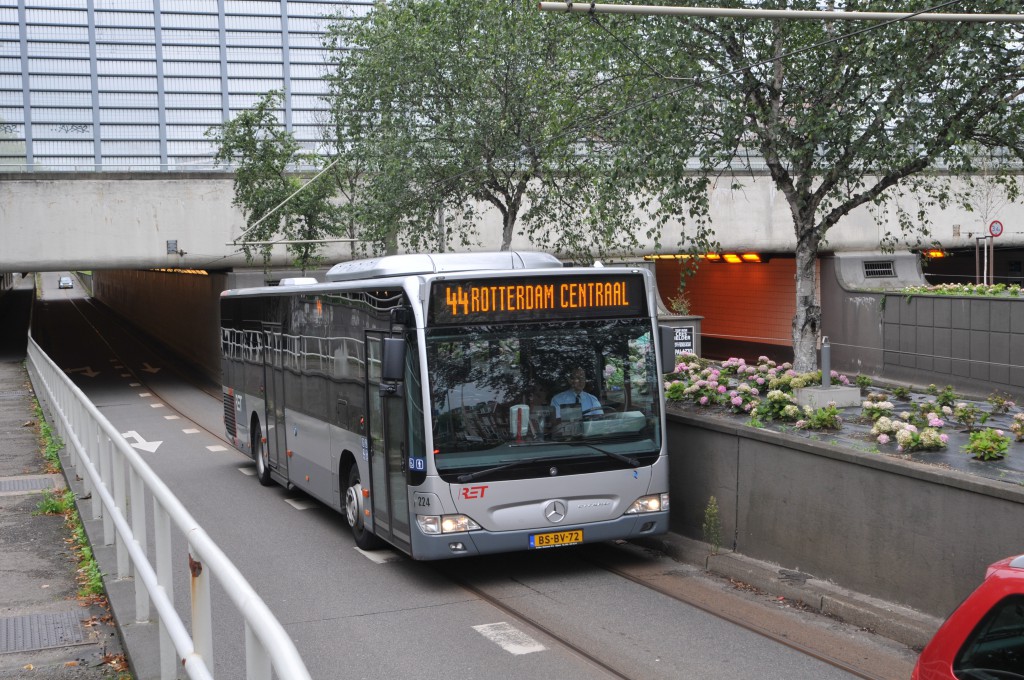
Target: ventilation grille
[(879, 269), (229, 414)]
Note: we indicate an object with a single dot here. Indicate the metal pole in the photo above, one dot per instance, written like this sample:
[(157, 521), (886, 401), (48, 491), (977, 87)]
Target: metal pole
[(121, 504), (826, 363), (977, 263), (202, 608), (137, 504), (164, 577), (984, 262), (992, 260), (722, 12), (257, 661)]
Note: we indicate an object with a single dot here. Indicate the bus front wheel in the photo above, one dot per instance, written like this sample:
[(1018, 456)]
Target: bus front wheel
[(354, 512)]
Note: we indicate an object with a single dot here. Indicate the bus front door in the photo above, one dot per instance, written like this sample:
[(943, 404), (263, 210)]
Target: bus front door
[(273, 380), (389, 494)]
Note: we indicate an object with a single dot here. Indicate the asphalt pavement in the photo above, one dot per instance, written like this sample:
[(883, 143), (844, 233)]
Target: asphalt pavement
[(46, 629)]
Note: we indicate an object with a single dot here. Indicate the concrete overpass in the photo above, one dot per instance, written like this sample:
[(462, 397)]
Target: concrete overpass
[(107, 220), (122, 227)]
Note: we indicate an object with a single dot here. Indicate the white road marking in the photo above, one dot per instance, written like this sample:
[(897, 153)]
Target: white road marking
[(300, 503), (379, 556), (171, 417), (141, 443), (126, 375), (191, 430), (250, 471), (145, 394), (134, 384), (509, 638), (215, 448), (156, 405)]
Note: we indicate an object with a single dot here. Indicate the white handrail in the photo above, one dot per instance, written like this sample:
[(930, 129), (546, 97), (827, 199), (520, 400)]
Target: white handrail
[(99, 451)]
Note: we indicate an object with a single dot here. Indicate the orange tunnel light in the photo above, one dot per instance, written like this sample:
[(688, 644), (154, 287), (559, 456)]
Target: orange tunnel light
[(732, 258), (751, 257)]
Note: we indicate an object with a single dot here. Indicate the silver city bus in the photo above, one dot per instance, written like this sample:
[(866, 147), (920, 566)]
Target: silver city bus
[(457, 404)]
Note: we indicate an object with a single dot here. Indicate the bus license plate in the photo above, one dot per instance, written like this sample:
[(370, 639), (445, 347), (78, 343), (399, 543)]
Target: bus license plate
[(556, 539)]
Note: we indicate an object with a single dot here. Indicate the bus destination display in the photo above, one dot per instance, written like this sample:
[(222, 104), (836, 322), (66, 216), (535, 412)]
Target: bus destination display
[(536, 298)]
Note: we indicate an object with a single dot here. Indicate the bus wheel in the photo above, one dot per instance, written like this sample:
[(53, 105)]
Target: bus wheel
[(354, 512), (262, 456)]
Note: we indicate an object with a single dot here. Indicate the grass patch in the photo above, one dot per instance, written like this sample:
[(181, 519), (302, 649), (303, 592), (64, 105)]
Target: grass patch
[(51, 443), (56, 503), (90, 579)]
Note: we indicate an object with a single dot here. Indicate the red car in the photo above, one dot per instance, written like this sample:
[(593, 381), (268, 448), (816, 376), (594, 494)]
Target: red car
[(983, 639)]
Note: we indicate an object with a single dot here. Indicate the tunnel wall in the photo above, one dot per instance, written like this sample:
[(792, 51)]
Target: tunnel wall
[(183, 310)]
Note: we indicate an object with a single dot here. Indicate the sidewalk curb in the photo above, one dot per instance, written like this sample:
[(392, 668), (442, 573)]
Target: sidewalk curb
[(900, 624)]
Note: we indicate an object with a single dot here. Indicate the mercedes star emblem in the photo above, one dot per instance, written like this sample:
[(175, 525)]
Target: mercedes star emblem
[(555, 511)]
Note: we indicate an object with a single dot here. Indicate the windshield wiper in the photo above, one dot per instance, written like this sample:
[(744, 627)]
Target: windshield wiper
[(470, 476), (632, 462)]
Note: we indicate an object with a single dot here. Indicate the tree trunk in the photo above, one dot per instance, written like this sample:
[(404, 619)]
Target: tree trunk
[(507, 229), (807, 320)]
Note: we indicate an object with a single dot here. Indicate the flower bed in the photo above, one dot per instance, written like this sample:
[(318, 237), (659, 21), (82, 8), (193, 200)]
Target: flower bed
[(931, 425)]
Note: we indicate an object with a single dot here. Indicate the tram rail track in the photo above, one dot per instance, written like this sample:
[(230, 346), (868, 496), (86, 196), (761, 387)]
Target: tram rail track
[(608, 667), (740, 622)]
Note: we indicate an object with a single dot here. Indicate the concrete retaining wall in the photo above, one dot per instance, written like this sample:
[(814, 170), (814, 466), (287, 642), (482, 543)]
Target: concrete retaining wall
[(903, 532), (966, 342)]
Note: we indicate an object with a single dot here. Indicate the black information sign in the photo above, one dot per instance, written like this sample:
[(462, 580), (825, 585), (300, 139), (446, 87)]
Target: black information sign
[(684, 339), (537, 298)]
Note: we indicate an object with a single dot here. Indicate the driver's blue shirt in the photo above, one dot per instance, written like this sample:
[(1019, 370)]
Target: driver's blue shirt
[(586, 401)]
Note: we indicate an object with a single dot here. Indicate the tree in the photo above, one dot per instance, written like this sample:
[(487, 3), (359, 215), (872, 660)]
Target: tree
[(842, 114), (457, 106), (265, 156)]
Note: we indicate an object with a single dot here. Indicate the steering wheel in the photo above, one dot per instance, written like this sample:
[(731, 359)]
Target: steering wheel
[(603, 409)]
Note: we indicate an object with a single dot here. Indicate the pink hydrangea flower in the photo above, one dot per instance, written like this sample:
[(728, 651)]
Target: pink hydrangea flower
[(703, 401), (736, 401), (721, 389), (883, 438)]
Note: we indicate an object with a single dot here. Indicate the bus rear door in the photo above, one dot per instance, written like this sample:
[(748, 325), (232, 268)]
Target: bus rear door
[(273, 380)]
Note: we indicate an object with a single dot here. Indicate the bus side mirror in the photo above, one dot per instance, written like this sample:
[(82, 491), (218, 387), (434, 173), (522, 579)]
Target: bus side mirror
[(668, 348), (392, 367)]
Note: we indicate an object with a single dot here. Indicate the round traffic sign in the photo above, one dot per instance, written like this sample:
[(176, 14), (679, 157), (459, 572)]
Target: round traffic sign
[(996, 228)]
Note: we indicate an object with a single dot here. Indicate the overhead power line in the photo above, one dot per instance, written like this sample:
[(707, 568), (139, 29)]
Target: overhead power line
[(821, 15)]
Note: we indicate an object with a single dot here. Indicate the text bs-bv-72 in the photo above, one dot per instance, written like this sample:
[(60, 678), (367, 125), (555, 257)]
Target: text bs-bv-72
[(419, 396)]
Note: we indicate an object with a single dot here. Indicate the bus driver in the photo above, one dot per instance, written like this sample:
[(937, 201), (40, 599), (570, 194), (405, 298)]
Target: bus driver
[(576, 396)]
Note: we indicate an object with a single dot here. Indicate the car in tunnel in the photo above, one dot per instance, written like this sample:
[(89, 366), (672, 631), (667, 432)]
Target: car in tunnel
[(983, 639), (65, 282)]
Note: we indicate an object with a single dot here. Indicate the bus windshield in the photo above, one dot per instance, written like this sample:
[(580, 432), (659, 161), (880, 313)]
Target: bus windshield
[(516, 401)]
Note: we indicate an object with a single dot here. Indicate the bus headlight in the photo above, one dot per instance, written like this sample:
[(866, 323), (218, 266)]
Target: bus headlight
[(656, 503), (445, 524)]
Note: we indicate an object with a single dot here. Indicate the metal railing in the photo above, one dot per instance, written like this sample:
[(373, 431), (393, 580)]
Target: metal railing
[(118, 479)]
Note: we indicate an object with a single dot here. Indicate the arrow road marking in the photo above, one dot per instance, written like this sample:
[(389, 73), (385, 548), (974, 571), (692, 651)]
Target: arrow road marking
[(150, 369), (84, 370), (141, 443)]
